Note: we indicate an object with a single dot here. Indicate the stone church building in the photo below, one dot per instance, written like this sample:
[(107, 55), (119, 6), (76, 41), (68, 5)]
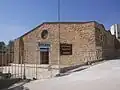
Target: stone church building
[(64, 43)]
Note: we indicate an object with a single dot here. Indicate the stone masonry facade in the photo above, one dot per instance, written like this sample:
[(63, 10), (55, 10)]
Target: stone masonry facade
[(90, 42)]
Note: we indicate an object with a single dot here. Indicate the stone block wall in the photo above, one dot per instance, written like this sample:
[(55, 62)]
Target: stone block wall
[(16, 51), (31, 40), (82, 38), (89, 41), (105, 46), (80, 35), (4, 59)]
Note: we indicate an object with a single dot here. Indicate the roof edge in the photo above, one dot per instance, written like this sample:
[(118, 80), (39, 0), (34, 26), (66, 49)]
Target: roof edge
[(69, 22), (31, 30)]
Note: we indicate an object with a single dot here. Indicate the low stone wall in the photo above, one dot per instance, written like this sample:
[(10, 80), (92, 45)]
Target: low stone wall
[(3, 59), (65, 69)]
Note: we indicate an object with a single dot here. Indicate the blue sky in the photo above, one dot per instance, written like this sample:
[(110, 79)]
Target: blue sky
[(20, 16)]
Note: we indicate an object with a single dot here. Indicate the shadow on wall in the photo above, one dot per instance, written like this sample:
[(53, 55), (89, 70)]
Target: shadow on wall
[(117, 47), (112, 53), (117, 44)]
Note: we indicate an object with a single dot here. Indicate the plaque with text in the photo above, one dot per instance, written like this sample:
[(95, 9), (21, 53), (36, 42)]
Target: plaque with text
[(65, 49)]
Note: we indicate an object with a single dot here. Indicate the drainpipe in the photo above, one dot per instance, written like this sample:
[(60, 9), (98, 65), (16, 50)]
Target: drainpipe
[(59, 34)]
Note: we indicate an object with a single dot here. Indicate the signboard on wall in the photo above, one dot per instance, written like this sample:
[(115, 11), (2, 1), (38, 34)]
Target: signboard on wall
[(44, 45), (65, 49)]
